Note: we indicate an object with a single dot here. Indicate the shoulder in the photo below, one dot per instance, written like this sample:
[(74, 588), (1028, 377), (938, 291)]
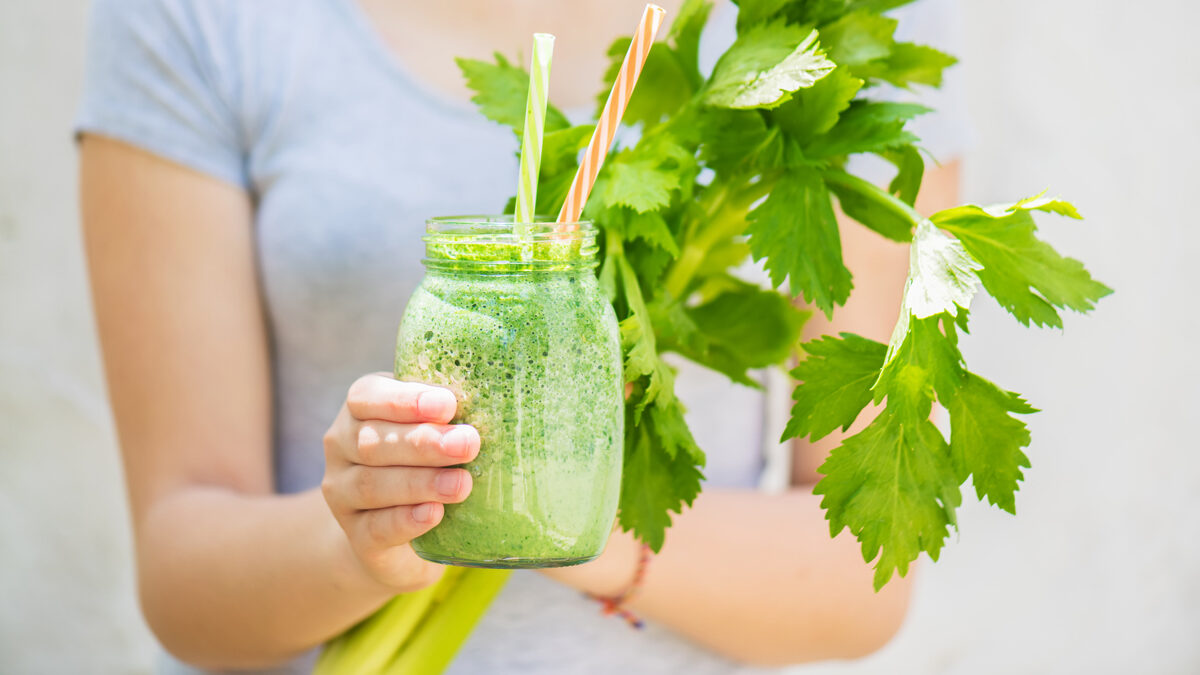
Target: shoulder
[(165, 75), (213, 49), (167, 38), (161, 21), (210, 33)]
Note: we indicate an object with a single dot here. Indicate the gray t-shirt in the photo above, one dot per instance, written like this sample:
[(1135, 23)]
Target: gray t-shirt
[(301, 104)]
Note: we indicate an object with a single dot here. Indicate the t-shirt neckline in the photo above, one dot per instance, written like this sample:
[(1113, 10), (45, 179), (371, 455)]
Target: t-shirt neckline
[(372, 41)]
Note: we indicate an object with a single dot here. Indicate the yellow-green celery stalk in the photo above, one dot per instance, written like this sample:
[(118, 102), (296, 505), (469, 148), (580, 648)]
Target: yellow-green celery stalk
[(416, 633)]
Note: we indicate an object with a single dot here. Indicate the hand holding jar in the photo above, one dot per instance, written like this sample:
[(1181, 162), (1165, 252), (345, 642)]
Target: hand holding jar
[(386, 477)]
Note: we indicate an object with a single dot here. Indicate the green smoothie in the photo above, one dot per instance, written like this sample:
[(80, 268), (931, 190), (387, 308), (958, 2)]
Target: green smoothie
[(518, 329)]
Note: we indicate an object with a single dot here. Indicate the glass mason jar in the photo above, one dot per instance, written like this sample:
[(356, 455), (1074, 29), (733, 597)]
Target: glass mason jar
[(514, 323)]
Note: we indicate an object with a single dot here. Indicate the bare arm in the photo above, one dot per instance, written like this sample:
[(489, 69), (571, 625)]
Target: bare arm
[(230, 574), (753, 576)]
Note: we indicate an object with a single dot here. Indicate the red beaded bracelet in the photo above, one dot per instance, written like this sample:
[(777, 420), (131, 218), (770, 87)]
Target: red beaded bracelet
[(614, 604)]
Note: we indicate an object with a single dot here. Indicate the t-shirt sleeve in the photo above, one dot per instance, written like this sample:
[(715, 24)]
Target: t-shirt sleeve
[(155, 79)]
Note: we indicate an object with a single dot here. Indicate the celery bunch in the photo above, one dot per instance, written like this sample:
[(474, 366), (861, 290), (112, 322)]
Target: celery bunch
[(416, 633)]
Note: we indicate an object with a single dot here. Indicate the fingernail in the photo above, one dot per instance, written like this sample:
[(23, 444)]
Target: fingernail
[(461, 441), (423, 513), (436, 404), (449, 482)]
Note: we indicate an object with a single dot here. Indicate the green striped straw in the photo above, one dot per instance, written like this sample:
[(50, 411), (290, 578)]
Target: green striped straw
[(535, 122)]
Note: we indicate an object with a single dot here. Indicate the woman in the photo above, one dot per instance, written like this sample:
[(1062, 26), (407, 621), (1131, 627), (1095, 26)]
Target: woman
[(255, 176)]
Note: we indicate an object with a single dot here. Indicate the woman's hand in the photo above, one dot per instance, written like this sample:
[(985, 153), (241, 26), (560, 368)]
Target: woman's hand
[(384, 480)]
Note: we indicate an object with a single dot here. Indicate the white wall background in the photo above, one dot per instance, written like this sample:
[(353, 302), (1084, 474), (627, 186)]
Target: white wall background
[(67, 602), (1100, 573)]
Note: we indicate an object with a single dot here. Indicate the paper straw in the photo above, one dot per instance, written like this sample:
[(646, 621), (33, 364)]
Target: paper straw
[(610, 118), (535, 122)]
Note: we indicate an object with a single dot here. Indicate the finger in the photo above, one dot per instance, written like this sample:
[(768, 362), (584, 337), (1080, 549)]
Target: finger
[(388, 444), (379, 397), (337, 438), (384, 528), (367, 487)]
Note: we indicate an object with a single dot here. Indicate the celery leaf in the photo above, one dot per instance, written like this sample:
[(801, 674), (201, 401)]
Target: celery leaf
[(765, 66), (835, 384), (986, 441), (1025, 274), (501, 90), (892, 486), (796, 231)]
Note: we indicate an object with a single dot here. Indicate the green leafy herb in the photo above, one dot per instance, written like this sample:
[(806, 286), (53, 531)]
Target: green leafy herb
[(867, 126), (661, 472), (1028, 277), (815, 110), (668, 79), (764, 67), (684, 37), (894, 496), (910, 64), (796, 231), (501, 89), (837, 377), (749, 162), (986, 441), (859, 37)]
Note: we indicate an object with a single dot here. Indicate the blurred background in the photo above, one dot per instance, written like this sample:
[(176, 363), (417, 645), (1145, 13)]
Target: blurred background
[(1099, 573)]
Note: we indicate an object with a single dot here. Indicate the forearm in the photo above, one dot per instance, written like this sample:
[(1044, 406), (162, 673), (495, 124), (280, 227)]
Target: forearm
[(232, 580), (755, 577)]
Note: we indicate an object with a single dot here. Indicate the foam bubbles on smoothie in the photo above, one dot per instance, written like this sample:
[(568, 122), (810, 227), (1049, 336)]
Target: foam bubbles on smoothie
[(543, 344)]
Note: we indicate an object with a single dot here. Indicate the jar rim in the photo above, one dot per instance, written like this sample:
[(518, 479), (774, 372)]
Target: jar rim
[(499, 243), (502, 228)]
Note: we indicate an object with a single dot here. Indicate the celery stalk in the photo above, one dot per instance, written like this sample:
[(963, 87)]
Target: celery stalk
[(421, 630), (370, 645), (448, 624)]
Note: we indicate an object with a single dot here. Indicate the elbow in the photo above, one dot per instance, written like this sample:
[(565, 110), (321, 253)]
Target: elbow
[(846, 646), (870, 625), (176, 623), (191, 617), (167, 618), (173, 638), (848, 629), (876, 634)]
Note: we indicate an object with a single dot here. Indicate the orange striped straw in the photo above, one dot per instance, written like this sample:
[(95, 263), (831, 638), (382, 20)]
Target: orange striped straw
[(610, 118)]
